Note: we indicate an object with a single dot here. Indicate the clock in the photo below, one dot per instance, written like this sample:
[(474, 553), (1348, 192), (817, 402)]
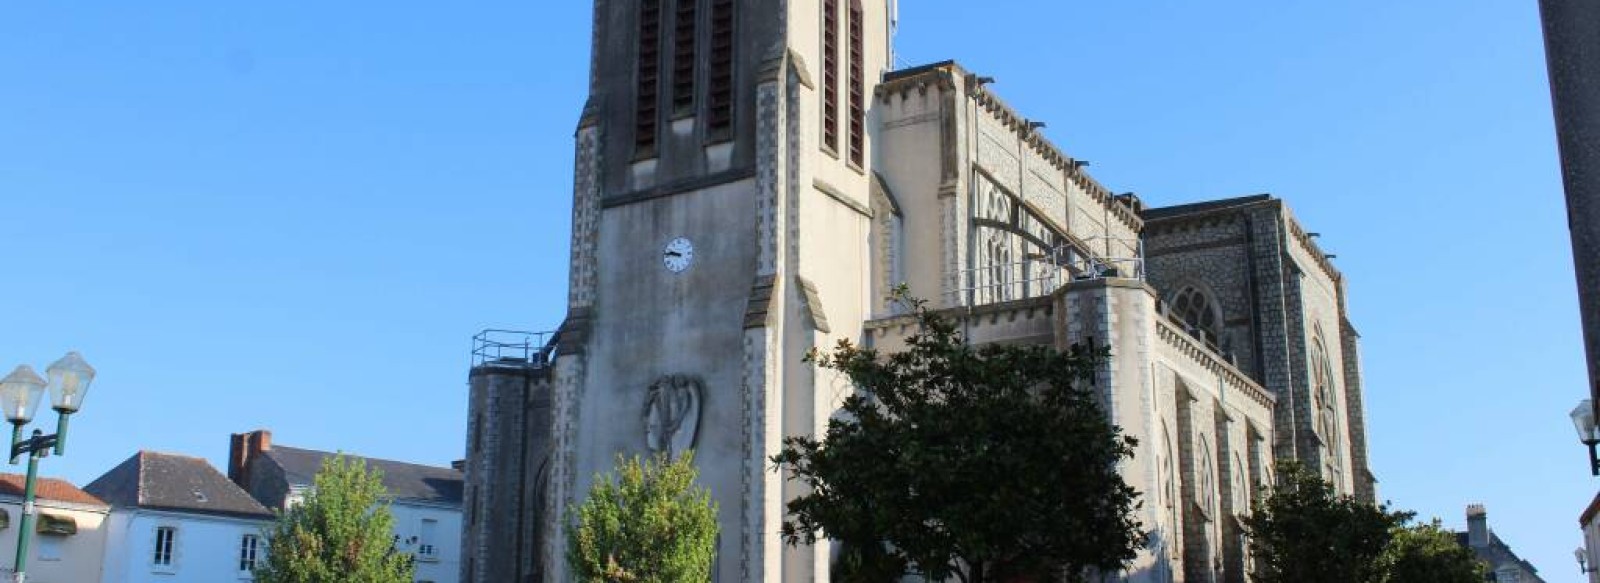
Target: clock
[(677, 255)]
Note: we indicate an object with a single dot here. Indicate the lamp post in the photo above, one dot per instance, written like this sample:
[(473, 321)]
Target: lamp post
[(1583, 421), (20, 394)]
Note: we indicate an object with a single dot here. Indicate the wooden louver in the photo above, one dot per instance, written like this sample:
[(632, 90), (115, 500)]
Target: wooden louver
[(720, 114), (858, 97), (683, 45), (830, 74), (646, 120)]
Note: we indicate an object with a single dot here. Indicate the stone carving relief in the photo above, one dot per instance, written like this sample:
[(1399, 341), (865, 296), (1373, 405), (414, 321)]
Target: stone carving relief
[(672, 414)]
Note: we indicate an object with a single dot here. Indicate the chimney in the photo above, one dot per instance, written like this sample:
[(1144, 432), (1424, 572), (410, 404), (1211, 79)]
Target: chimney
[(1477, 526), (244, 448)]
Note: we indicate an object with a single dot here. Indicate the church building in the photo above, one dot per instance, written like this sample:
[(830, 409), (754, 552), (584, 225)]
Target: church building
[(754, 177)]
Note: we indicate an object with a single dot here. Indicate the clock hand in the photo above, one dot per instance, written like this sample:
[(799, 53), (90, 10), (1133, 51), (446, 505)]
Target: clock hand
[(674, 254)]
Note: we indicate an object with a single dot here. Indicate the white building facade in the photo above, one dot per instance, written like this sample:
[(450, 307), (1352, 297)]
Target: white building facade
[(176, 519), (158, 546)]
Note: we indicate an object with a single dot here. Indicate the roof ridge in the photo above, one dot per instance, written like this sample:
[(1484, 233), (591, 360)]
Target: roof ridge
[(363, 457)]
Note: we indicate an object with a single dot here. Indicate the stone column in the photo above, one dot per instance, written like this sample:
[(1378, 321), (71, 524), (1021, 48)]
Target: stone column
[(1572, 48)]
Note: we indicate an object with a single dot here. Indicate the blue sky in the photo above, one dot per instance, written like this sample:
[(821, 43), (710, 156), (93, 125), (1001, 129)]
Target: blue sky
[(294, 215)]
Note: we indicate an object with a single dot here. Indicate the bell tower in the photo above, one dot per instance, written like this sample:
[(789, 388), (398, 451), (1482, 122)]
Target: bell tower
[(722, 218)]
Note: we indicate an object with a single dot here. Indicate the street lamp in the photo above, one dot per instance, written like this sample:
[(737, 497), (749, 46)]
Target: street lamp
[(1583, 560), (20, 395), (1583, 421)]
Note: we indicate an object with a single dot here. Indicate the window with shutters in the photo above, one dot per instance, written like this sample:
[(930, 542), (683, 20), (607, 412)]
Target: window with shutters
[(647, 118), (683, 57), (830, 74), (858, 85), (719, 121)]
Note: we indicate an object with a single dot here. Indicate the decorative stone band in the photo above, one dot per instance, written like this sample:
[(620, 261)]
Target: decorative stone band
[(1186, 344)]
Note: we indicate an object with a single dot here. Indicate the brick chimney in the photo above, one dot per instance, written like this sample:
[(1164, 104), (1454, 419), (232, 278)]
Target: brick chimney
[(244, 448), (1477, 526)]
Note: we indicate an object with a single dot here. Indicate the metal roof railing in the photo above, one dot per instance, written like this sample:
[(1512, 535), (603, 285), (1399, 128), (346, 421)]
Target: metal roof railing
[(514, 347)]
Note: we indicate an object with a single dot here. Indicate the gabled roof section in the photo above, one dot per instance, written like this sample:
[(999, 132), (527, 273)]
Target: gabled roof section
[(1498, 554), (405, 481), (178, 483), (50, 489)]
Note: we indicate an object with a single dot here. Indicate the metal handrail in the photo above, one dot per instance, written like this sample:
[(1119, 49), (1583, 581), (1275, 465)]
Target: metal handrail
[(514, 347), (1042, 274)]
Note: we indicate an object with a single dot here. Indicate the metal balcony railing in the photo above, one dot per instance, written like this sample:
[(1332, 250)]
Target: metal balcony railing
[(1042, 274), (514, 347)]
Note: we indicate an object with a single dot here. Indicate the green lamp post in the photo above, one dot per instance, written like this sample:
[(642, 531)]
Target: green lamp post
[(20, 395)]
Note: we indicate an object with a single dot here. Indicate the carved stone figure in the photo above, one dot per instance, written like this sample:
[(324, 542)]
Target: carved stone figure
[(672, 414)]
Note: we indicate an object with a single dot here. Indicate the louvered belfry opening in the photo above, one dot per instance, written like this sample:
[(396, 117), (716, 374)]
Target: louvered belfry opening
[(647, 117), (684, 24), (719, 121), (830, 74), (858, 96)]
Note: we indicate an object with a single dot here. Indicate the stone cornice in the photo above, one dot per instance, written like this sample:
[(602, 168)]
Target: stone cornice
[(1047, 150), (1228, 214), (1298, 234), (1188, 346), (944, 75)]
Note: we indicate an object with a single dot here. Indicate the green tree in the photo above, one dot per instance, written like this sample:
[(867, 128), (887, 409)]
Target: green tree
[(1304, 533), (1427, 553), (973, 463), (650, 524), (341, 533)]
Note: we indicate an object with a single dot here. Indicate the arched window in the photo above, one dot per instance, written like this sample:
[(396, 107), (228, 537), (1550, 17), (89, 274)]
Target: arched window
[(1194, 308), (1322, 388), (1241, 486), (1205, 482), (1169, 484), (999, 272)]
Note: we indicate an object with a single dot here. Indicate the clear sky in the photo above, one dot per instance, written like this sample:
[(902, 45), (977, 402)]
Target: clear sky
[(294, 215)]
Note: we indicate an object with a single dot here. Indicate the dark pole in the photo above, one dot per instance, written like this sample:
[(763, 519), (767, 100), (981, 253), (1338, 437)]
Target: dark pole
[(1572, 51)]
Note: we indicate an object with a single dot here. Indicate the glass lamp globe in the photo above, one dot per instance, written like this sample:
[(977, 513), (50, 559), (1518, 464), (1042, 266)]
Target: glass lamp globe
[(69, 382), (20, 394), (1583, 421)]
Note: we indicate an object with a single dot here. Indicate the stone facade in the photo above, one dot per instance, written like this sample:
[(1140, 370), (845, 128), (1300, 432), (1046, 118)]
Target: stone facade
[(507, 472), (1231, 345), (1280, 314)]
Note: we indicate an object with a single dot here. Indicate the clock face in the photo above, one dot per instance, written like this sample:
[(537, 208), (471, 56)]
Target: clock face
[(677, 255)]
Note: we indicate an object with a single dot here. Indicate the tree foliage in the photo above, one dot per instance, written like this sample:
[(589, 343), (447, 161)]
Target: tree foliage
[(1427, 553), (341, 532), (975, 463), (650, 524), (1305, 533)]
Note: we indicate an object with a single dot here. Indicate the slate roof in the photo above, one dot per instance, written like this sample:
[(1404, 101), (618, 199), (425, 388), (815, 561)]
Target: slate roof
[(1167, 212), (47, 489), (1498, 554), (163, 481), (405, 481)]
